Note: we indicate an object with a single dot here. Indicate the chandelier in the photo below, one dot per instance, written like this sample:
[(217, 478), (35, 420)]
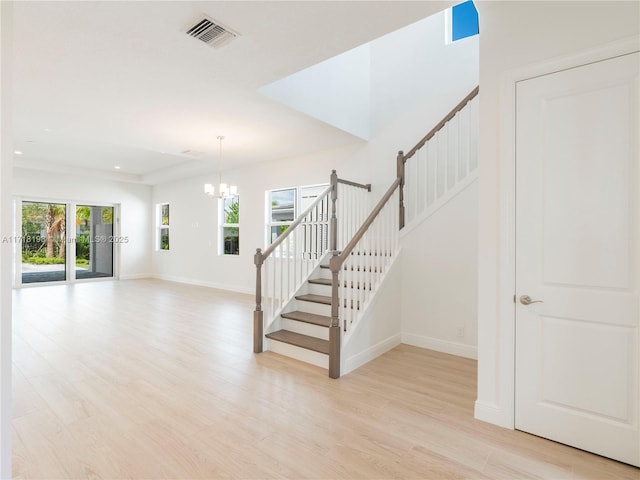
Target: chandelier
[(224, 190)]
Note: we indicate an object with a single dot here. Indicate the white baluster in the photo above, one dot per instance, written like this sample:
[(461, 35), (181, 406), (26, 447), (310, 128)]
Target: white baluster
[(463, 141), (360, 280), (290, 268), (473, 134), (452, 129), (422, 181)]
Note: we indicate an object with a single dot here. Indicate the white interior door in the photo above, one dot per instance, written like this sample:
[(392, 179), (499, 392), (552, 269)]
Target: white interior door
[(578, 253)]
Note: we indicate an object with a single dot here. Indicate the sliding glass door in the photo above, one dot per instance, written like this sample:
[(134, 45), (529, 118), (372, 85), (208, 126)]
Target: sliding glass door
[(54, 248), (94, 241), (44, 242)]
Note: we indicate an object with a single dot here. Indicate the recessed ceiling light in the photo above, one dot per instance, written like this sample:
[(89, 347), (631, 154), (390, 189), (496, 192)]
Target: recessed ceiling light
[(17, 152), (47, 129), (117, 167)]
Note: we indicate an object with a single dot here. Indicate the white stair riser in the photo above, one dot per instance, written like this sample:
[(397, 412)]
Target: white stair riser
[(312, 307), (302, 354), (305, 328), (324, 273), (319, 289)]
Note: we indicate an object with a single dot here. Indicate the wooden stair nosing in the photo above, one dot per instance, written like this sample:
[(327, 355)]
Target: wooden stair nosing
[(299, 340), (327, 282), (310, 297), (312, 318)]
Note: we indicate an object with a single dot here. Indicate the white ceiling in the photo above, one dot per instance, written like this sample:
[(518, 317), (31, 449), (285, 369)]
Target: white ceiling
[(99, 84)]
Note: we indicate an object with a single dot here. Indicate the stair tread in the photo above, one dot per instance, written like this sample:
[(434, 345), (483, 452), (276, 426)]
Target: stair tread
[(300, 340), (314, 298), (320, 320), (320, 281)]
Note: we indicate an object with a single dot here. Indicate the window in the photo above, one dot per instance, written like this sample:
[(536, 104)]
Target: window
[(230, 225), (462, 21), (163, 226), (282, 211), (284, 206)]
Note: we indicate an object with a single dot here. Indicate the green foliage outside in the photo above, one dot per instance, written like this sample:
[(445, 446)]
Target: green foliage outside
[(107, 215), (232, 210), (231, 235), (43, 230), (44, 261), (164, 239), (44, 233), (82, 246)]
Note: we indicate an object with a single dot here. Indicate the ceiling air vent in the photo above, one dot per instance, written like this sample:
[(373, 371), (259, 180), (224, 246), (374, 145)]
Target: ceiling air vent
[(211, 32)]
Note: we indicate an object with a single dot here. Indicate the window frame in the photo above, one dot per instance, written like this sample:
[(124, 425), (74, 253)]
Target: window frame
[(161, 227), (224, 224), (449, 20), (281, 223)]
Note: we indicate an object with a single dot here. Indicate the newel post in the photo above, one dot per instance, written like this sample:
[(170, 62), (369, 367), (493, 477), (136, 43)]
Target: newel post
[(400, 169), (333, 242), (258, 317), (334, 329)]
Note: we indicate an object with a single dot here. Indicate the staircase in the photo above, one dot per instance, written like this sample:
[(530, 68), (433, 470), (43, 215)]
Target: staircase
[(321, 275), (307, 327)]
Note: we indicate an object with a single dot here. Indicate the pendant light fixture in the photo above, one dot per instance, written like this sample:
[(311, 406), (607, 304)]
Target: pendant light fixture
[(224, 190)]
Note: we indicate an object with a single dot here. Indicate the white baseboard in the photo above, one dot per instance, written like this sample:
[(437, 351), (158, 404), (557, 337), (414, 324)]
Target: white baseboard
[(200, 283), (491, 413), (370, 353), (135, 276), (444, 346)]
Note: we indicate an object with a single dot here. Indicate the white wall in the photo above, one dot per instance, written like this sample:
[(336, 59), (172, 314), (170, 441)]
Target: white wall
[(194, 236), (134, 201), (380, 328), (440, 278), (340, 89), (416, 79), (515, 35)]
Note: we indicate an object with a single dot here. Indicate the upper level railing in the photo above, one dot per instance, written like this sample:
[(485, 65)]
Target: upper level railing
[(441, 159), (283, 267)]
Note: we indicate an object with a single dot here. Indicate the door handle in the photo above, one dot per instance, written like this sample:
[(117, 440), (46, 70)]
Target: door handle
[(526, 300)]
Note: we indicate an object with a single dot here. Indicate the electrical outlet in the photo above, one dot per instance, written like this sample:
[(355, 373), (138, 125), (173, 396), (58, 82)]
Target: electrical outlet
[(460, 332)]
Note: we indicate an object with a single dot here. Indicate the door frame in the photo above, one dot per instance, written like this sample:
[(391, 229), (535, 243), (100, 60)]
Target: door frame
[(503, 411)]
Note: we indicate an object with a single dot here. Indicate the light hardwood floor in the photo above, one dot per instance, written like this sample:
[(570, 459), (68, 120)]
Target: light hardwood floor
[(149, 379)]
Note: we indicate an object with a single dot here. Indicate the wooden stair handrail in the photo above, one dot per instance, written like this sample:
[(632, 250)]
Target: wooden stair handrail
[(260, 255), (282, 237), (442, 123), (366, 187), (337, 260)]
